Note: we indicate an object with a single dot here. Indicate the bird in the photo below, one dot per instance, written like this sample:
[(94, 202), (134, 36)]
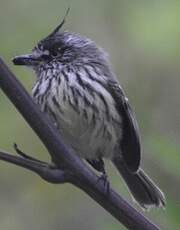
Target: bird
[(76, 87)]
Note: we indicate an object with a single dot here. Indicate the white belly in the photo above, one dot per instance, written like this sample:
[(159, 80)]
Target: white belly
[(89, 137), (90, 134)]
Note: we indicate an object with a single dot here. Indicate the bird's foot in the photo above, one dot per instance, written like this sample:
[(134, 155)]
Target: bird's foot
[(104, 179)]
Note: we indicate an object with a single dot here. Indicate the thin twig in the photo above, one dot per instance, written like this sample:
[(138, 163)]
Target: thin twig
[(25, 155), (83, 177), (46, 171)]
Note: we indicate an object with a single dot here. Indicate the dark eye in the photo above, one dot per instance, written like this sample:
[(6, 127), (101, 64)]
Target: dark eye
[(54, 53)]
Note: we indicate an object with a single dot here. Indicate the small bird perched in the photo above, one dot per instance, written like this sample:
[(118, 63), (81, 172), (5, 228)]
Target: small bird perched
[(76, 87)]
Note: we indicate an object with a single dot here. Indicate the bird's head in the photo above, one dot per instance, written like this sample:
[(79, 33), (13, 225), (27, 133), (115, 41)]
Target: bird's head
[(61, 48)]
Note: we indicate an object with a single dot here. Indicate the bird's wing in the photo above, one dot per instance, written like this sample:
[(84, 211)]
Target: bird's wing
[(130, 142)]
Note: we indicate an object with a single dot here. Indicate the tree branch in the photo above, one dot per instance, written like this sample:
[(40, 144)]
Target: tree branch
[(48, 172), (83, 177)]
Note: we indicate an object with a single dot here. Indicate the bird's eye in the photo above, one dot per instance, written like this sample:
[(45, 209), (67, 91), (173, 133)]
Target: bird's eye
[(54, 53)]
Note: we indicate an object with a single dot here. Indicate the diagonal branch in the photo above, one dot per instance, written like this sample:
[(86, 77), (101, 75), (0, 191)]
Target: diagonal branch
[(24, 155), (46, 171), (83, 177)]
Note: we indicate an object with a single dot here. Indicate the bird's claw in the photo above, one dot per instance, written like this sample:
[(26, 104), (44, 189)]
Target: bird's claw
[(104, 179)]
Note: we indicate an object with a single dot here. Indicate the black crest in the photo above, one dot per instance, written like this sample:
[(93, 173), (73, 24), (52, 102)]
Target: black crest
[(60, 25)]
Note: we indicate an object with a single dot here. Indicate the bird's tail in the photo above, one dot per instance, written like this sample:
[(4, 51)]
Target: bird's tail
[(145, 192)]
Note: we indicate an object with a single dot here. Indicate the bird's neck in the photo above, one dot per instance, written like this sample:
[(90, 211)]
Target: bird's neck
[(49, 69)]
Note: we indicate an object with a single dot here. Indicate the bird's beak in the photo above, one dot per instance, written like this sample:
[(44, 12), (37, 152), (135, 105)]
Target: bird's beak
[(27, 60)]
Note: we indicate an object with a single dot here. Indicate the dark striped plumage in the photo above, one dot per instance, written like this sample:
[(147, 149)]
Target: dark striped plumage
[(76, 87)]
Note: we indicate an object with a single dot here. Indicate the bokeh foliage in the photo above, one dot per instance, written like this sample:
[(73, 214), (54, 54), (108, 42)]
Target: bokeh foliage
[(142, 39)]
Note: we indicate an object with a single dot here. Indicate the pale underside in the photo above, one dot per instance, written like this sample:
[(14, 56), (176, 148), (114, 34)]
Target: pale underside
[(90, 133)]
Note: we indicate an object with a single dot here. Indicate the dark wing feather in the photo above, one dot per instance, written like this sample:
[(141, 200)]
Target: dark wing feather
[(130, 143)]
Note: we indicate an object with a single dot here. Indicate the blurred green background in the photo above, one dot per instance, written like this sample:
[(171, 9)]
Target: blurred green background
[(143, 41)]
